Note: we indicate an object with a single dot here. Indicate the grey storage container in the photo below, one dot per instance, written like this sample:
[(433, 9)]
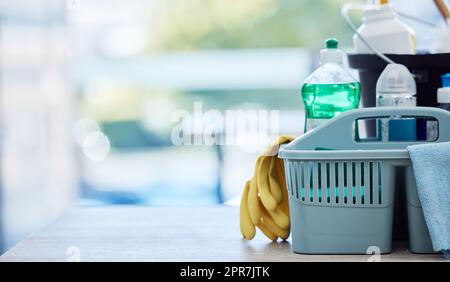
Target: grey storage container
[(419, 237), (341, 188)]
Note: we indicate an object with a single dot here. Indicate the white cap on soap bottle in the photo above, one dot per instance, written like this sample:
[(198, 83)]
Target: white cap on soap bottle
[(332, 54)]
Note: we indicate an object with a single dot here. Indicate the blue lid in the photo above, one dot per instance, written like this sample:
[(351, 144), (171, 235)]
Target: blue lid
[(446, 80)]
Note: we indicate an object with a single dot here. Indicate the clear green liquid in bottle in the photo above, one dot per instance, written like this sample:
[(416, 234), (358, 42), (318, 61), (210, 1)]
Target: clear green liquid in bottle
[(325, 101)]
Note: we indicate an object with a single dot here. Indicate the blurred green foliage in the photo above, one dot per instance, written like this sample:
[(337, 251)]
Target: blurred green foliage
[(225, 24), (179, 25)]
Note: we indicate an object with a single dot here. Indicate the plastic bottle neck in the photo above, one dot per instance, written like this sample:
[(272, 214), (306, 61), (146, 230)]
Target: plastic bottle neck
[(443, 95), (331, 56)]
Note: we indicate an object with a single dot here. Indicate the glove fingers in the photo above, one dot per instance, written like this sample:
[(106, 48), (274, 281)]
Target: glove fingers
[(274, 181), (267, 199), (285, 139), (277, 180), (273, 227), (267, 232), (280, 217), (272, 150), (248, 229), (252, 202), (264, 201), (253, 197)]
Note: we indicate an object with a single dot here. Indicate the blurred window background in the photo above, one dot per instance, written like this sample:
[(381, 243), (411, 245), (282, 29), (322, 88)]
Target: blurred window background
[(88, 91)]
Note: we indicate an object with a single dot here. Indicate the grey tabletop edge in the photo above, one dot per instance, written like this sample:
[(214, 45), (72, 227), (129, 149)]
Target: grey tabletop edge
[(140, 233)]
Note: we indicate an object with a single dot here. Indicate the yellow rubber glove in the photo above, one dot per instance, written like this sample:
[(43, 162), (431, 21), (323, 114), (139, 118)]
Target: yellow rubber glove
[(265, 202)]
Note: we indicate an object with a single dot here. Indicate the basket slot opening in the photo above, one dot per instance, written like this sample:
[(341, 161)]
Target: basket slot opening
[(318, 182), (311, 182), (345, 183), (353, 185), (289, 172), (358, 185), (338, 182), (386, 129), (296, 180), (291, 177), (371, 188), (367, 183), (328, 182), (300, 181), (380, 188), (363, 182), (341, 183), (333, 182), (323, 187), (307, 177)]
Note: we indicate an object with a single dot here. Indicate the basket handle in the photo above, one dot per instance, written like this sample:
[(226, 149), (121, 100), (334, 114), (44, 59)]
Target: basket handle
[(381, 112), (340, 131)]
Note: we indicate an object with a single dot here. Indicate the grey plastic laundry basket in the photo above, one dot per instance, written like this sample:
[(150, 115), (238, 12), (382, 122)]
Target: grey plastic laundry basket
[(419, 237), (341, 190)]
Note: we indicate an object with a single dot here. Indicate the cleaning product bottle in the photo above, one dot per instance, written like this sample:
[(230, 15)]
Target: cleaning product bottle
[(443, 98), (396, 87), (383, 30), (330, 90)]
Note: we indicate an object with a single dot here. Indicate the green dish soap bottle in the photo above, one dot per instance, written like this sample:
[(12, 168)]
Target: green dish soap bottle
[(330, 90)]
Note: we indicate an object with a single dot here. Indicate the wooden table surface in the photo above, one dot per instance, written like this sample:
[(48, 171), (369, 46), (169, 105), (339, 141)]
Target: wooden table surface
[(133, 233)]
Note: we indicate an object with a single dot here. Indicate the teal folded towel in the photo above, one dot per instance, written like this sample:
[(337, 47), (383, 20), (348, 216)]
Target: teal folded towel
[(431, 164)]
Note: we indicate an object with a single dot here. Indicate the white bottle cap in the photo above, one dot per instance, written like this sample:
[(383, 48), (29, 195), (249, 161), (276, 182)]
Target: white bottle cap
[(443, 96), (396, 78), (332, 54)]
